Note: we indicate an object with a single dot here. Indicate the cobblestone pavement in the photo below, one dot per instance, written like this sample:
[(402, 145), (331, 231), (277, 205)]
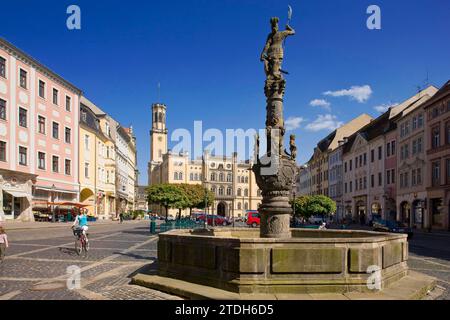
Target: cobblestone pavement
[(430, 254), (37, 262)]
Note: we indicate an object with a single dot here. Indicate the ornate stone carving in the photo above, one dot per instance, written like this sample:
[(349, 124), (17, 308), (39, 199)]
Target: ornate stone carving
[(276, 171)]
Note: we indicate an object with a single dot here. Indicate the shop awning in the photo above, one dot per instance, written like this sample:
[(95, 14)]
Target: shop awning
[(17, 193)]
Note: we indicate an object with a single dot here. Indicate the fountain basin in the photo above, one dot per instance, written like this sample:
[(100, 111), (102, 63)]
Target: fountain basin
[(311, 261)]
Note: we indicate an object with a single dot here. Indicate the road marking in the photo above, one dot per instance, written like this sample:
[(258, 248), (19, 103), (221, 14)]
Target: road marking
[(50, 247), (10, 295), (429, 261)]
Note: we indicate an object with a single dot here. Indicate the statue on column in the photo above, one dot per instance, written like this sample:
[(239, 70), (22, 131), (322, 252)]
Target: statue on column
[(272, 54)]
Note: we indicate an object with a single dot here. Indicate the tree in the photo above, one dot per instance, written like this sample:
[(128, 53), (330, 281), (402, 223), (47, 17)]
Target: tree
[(167, 195), (196, 195), (307, 206)]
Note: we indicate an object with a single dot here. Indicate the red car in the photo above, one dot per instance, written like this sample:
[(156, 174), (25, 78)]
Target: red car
[(218, 220), (253, 218)]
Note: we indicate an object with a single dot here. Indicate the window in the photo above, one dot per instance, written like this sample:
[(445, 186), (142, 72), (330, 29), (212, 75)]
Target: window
[(393, 148), (221, 177), (380, 152), (213, 177), (221, 191), (86, 170), (67, 167), (2, 67), (406, 182), (365, 158), (406, 127), (413, 177), (356, 162), (23, 156), (419, 176), (393, 175), (191, 177), (435, 137), (380, 179), (55, 130), (55, 96), (365, 182), (414, 123), (68, 135), (372, 181), (229, 191), (447, 132), (229, 178), (42, 89), (372, 155), (2, 151), (86, 142), (239, 206), (420, 121), (350, 165), (175, 176), (246, 206), (246, 193), (419, 145), (2, 109), (41, 160), (345, 167), (23, 78), (239, 192), (414, 147), (180, 176), (447, 162), (41, 124), (68, 104), (22, 117), (345, 187), (388, 149), (388, 177), (351, 186), (55, 164)]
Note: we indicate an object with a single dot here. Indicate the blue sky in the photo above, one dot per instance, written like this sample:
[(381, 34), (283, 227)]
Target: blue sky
[(205, 54)]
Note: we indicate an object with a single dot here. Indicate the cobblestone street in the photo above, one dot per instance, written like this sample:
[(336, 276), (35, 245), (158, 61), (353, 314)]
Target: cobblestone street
[(37, 261)]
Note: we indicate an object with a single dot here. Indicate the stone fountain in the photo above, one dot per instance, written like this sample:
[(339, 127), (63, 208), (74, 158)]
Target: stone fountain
[(277, 262)]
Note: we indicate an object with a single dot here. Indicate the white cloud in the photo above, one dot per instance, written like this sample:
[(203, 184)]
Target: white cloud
[(358, 93), (320, 103), (324, 122), (293, 123), (382, 108)]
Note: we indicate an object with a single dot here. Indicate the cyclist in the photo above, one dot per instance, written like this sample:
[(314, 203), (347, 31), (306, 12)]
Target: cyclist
[(81, 222)]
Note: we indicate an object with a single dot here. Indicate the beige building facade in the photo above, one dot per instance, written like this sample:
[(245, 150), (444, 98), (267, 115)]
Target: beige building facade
[(232, 181)]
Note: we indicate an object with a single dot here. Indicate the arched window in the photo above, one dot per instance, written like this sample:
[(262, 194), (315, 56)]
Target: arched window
[(191, 176), (246, 193), (221, 191), (175, 176), (196, 177), (221, 177), (180, 176), (160, 117), (239, 192), (155, 117), (213, 189), (229, 191), (229, 178), (246, 179), (246, 206), (213, 176), (239, 206), (239, 179), (200, 177)]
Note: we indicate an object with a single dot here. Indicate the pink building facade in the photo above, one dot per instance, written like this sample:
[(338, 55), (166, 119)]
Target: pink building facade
[(38, 136)]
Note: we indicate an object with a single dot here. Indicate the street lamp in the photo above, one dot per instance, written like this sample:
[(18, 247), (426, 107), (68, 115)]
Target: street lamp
[(53, 203)]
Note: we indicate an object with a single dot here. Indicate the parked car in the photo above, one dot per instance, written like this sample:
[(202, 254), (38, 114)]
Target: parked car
[(392, 226), (170, 218), (316, 220), (253, 218), (197, 215), (217, 220)]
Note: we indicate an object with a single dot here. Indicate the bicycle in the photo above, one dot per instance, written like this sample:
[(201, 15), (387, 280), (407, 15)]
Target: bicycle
[(81, 243)]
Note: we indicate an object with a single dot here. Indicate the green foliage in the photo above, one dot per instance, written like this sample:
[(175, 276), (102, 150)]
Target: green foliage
[(307, 206), (167, 195), (179, 196)]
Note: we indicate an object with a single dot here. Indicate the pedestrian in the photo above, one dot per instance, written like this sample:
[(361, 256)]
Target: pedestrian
[(121, 217), (3, 243)]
